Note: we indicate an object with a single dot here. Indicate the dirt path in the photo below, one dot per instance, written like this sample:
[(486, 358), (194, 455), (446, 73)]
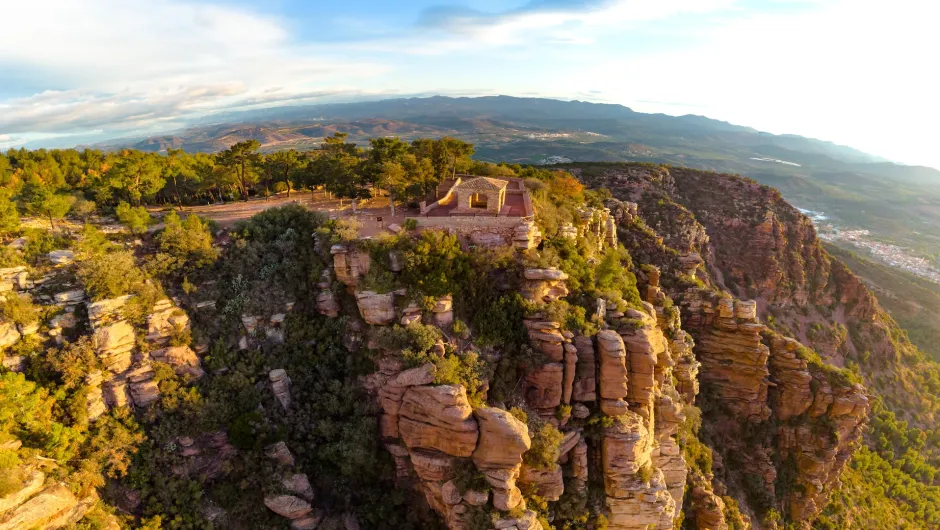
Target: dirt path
[(368, 213)]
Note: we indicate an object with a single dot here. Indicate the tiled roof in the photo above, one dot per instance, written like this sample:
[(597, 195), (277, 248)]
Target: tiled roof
[(483, 183)]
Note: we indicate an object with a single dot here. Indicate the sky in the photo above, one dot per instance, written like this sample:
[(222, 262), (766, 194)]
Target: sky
[(856, 72)]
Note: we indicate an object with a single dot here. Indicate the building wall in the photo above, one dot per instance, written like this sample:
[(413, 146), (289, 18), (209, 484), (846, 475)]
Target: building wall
[(483, 221), (493, 201)]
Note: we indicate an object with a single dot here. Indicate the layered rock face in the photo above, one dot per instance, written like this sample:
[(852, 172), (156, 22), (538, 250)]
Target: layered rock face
[(734, 360), (819, 445), (644, 471), (128, 377), (349, 266), (49, 508), (717, 233), (626, 372), (763, 385)]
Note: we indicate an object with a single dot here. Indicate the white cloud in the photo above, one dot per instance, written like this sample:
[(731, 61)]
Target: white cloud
[(447, 30), (855, 72), (129, 63)]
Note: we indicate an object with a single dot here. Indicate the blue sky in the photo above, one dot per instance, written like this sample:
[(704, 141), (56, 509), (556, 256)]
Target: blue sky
[(857, 72)]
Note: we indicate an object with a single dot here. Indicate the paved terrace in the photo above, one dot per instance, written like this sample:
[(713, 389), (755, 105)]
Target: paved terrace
[(513, 206)]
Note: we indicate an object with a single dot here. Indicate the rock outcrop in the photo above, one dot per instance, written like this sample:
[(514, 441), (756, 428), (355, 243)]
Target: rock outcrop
[(376, 309), (544, 285), (349, 266), (438, 418)]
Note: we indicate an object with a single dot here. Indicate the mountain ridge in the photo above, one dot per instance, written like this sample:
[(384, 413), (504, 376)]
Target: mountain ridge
[(406, 107)]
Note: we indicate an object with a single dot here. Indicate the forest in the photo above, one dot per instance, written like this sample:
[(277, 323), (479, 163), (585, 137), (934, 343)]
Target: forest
[(51, 183)]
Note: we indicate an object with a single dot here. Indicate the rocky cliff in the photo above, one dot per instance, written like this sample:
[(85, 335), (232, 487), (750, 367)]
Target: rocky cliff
[(771, 369), (619, 393)]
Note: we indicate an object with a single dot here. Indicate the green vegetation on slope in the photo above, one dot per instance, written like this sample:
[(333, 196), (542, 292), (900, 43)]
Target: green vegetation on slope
[(912, 301)]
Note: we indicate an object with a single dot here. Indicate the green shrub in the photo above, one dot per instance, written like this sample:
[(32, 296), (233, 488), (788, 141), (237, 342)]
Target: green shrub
[(10, 258), (40, 242), (19, 308), (11, 477), (462, 369), (467, 477), (188, 243), (418, 338), (135, 218), (546, 443)]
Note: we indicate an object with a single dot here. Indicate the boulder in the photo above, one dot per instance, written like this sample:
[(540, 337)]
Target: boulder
[(526, 236), (476, 498), (114, 343), (543, 285), (503, 439), (421, 375), (280, 385), (544, 274), (376, 309), (165, 321), (450, 494), (143, 388), (410, 315), (8, 334), (31, 484), (116, 393), (13, 363), (438, 418), (443, 311), (349, 266), (548, 483), (107, 308), (745, 309), (280, 453), (288, 506), (183, 359), (327, 304), (430, 466), (61, 257), (41, 511), (299, 484), (70, 297)]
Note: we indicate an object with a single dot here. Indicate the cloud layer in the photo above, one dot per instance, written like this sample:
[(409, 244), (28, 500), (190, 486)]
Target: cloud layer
[(131, 64), (855, 72)]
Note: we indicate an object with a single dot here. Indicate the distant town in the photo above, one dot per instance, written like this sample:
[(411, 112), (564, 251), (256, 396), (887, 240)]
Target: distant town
[(887, 253)]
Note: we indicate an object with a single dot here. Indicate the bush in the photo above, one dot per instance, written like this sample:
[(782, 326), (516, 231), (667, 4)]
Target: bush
[(462, 369), (417, 338), (546, 443), (136, 219), (84, 209), (10, 258), (410, 224), (110, 275), (188, 242), (19, 308), (40, 242)]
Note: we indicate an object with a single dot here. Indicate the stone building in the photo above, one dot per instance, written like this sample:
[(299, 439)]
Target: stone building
[(484, 211), (480, 195)]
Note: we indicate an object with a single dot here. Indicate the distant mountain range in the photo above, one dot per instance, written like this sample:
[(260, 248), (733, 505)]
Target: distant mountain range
[(508, 118), (857, 190)]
